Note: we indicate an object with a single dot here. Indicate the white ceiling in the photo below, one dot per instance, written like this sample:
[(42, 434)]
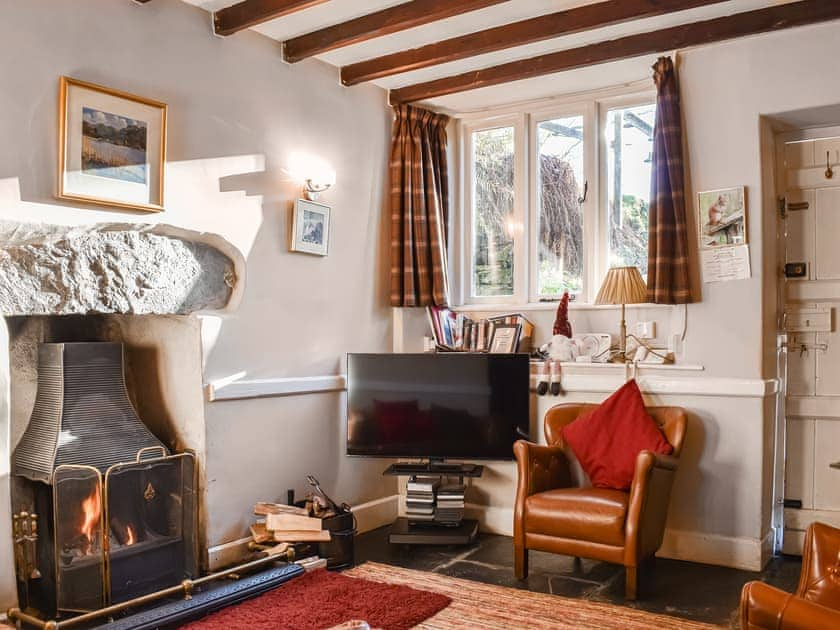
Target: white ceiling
[(337, 11)]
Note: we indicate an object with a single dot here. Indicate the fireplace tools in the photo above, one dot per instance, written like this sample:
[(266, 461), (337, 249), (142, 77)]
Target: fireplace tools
[(25, 534)]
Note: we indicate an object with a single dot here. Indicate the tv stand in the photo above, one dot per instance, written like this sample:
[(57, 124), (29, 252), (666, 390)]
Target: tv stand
[(435, 467), (429, 532)]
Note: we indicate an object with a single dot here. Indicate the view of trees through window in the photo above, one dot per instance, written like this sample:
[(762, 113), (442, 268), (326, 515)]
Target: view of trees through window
[(629, 145), (559, 251), (560, 216), (492, 211)]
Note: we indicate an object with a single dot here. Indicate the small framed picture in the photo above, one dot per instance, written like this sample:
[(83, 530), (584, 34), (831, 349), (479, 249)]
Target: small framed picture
[(505, 338), (310, 228), (722, 217), (112, 147)]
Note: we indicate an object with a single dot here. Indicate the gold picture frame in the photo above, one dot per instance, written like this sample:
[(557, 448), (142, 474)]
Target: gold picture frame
[(111, 147)]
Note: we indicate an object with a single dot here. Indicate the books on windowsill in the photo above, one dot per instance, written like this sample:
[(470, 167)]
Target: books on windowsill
[(456, 332)]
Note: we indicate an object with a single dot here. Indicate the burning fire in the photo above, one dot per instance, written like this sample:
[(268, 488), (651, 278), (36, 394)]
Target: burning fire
[(130, 537), (92, 512)]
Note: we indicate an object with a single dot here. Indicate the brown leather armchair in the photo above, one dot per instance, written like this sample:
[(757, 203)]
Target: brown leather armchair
[(815, 604), (555, 513)]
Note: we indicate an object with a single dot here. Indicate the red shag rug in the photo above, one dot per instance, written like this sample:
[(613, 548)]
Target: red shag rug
[(321, 599)]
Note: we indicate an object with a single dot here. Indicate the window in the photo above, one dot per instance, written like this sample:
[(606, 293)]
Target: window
[(493, 211), (560, 180), (553, 198), (629, 138)]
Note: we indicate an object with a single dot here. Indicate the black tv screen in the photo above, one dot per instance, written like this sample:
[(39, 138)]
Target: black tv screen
[(471, 406)]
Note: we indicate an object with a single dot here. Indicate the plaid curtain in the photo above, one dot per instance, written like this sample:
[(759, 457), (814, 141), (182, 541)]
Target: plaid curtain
[(668, 275), (419, 208)]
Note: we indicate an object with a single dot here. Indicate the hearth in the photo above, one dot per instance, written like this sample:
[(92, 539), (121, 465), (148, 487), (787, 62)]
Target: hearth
[(102, 511)]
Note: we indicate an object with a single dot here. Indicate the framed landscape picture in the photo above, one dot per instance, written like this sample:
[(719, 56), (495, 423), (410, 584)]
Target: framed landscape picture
[(112, 147), (722, 217), (310, 228)]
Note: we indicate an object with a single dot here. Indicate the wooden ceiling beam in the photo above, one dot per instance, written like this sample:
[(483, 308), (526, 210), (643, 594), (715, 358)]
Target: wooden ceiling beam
[(390, 20), (249, 13), (576, 20), (695, 34)]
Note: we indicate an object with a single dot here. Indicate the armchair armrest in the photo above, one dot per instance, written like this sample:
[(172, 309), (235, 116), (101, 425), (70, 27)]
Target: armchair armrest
[(647, 510), (763, 606), (540, 468)]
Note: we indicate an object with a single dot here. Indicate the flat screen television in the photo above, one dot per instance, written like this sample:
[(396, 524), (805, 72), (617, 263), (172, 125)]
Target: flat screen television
[(446, 405)]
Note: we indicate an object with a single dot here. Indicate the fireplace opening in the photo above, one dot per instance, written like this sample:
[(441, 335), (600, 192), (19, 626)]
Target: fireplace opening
[(103, 512)]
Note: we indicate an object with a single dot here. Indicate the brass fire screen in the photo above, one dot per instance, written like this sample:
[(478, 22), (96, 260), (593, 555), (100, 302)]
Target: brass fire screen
[(99, 539)]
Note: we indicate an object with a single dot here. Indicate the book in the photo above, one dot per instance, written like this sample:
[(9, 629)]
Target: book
[(423, 484), (414, 511), (302, 536), (411, 500), (296, 522), (264, 508)]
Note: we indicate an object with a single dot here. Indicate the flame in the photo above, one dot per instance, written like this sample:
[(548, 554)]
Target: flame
[(131, 539), (92, 511)]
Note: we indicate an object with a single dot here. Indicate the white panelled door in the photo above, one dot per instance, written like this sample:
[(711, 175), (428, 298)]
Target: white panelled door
[(812, 238)]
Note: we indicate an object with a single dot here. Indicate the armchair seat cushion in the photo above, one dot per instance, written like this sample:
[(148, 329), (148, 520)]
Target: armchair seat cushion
[(591, 514)]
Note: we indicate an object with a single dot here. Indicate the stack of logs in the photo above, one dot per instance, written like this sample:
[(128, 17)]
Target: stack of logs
[(278, 526)]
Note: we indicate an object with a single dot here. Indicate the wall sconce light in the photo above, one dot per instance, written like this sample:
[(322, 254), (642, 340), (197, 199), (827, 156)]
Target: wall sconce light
[(312, 188), (315, 173)]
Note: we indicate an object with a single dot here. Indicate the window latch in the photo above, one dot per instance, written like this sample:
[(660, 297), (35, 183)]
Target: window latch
[(582, 200)]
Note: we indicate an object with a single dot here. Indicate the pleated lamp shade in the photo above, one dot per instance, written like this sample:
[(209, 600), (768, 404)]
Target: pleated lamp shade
[(622, 285)]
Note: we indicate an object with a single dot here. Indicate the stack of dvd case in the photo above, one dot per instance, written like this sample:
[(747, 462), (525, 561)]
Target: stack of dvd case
[(450, 504), (420, 498)]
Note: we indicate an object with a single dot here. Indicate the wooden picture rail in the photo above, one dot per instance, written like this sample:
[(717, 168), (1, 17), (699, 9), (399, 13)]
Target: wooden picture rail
[(391, 20), (698, 33), (576, 20), (249, 13)]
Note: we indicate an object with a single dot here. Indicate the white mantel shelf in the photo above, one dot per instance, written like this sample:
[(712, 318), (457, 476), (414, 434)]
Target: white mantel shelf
[(654, 379)]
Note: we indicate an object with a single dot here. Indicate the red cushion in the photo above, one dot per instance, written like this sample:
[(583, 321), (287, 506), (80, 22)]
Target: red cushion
[(608, 439)]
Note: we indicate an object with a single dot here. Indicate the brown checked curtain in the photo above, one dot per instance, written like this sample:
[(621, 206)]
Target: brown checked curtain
[(419, 208), (668, 274)]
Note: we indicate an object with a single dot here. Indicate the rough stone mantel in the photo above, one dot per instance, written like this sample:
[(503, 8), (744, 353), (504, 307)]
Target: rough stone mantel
[(115, 268)]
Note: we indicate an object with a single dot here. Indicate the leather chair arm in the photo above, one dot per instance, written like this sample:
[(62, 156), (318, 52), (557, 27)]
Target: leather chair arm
[(666, 462), (540, 468), (647, 509), (766, 607)]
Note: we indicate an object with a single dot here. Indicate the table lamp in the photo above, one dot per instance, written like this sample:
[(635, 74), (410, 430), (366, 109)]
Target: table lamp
[(622, 285)]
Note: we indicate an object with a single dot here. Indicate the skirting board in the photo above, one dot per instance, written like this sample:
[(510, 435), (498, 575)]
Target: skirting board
[(370, 515), (747, 554), (738, 553)]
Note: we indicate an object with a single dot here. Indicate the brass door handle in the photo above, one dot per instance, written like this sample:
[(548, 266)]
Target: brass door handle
[(834, 465)]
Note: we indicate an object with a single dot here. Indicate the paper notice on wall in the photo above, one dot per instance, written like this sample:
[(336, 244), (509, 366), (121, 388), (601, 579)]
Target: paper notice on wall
[(726, 263)]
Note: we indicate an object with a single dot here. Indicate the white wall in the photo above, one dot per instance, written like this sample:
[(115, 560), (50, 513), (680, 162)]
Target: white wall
[(236, 114), (731, 92)]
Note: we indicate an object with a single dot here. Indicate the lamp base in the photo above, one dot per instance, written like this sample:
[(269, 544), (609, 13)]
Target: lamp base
[(619, 357)]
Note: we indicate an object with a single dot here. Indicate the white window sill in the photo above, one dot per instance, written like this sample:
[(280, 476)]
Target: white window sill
[(547, 306)]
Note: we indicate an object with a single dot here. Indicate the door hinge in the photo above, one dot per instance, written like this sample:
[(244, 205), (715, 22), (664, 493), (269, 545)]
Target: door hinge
[(782, 203)]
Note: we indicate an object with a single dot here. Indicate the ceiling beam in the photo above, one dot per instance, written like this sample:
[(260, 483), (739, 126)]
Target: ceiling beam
[(695, 34), (249, 13), (391, 20), (576, 20)]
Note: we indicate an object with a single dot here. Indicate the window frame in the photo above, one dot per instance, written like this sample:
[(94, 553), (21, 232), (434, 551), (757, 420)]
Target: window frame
[(624, 101), (525, 118), (520, 201), (588, 111)]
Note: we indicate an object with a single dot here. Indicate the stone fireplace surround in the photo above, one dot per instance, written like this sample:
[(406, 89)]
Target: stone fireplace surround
[(148, 287)]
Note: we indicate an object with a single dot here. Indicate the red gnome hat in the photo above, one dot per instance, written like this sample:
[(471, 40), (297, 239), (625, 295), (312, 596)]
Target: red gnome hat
[(562, 326)]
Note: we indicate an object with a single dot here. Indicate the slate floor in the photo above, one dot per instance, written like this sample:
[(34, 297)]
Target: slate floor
[(683, 589)]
